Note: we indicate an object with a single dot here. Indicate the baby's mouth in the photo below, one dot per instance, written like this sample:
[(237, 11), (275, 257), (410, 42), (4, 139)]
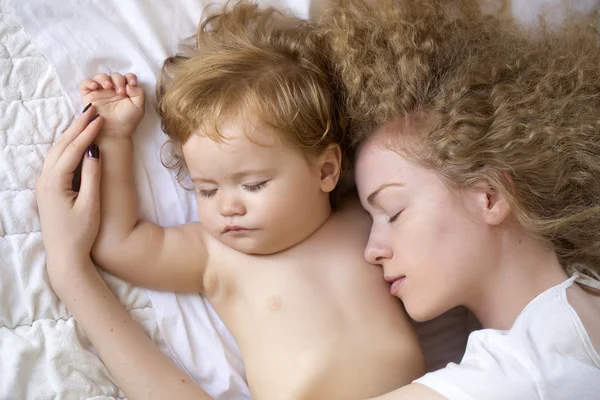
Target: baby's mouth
[(235, 228)]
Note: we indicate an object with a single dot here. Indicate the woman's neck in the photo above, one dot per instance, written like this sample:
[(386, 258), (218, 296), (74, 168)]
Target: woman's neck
[(526, 268)]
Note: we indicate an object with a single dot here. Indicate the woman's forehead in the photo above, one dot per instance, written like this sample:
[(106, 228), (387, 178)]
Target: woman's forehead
[(377, 163)]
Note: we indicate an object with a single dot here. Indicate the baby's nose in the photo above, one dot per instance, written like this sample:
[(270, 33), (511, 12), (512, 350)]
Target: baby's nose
[(231, 205)]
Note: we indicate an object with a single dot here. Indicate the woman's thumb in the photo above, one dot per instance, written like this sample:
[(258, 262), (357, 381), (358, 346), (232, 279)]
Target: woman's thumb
[(89, 192)]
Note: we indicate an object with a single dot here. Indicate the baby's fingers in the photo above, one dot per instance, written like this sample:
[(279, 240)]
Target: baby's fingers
[(103, 80), (118, 81), (131, 79), (137, 96), (87, 86), (134, 91)]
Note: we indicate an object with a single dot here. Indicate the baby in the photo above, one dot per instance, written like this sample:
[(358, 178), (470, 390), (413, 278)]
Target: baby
[(252, 113)]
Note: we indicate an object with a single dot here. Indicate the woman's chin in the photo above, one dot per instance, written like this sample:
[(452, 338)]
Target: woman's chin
[(423, 312)]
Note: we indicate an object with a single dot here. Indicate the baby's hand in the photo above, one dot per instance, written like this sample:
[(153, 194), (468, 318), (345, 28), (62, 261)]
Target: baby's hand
[(118, 99)]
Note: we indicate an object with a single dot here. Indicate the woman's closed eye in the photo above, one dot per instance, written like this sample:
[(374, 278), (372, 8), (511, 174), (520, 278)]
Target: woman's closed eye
[(395, 217), (256, 187)]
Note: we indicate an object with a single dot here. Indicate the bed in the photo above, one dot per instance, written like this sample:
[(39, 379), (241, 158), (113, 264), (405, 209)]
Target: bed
[(46, 48), (43, 355)]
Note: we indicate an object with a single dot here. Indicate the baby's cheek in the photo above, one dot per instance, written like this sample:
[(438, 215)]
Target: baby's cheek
[(268, 210), (205, 215)]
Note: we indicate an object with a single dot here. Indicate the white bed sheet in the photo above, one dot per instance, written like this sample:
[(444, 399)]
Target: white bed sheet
[(43, 354)]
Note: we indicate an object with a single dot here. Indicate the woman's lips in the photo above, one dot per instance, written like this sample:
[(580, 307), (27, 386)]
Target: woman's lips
[(396, 282)]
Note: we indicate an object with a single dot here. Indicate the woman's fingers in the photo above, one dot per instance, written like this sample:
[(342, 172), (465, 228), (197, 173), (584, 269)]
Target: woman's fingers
[(70, 158), (69, 135), (89, 192), (118, 81)]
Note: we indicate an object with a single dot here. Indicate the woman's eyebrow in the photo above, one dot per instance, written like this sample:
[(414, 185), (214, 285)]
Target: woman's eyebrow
[(372, 196)]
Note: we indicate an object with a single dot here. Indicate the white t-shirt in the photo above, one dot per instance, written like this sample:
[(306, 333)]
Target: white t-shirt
[(546, 355)]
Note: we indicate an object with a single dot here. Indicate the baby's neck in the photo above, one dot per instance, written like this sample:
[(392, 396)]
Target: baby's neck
[(319, 216), (527, 268)]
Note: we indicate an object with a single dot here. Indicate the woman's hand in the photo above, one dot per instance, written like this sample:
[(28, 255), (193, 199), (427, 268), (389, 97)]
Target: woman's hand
[(69, 219), (70, 222)]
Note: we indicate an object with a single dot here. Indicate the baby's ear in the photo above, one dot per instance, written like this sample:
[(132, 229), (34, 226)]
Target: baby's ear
[(330, 163)]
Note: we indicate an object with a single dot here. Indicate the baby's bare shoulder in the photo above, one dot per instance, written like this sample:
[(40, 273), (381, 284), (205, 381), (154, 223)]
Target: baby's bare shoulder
[(347, 228), (351, 213)]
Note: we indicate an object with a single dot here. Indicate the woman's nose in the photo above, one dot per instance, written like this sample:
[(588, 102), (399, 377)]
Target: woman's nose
[(377, 252), (230, 205)]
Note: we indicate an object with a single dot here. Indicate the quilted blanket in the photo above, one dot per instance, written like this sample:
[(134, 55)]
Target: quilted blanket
[(43, 354)]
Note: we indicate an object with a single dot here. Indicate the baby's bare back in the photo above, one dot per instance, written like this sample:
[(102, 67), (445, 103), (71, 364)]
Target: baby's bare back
[(316, 321)]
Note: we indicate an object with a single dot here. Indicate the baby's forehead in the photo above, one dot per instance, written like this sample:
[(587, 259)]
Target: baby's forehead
[(233, 144), (242, 128), (236, 145), (237, 137), (231, 155)]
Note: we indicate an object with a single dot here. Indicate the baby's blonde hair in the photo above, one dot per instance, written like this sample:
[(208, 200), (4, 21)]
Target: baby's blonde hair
[(517, 108), (255, 62)]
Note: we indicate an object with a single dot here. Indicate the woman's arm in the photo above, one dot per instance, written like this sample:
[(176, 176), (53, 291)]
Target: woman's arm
[(414, 391), (136, 364), (70, 222)]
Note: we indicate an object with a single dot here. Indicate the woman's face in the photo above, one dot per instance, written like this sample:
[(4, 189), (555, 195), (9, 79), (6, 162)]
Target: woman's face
[(433, 243)]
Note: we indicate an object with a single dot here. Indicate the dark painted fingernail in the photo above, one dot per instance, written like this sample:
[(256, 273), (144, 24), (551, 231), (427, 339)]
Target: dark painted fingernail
[(93, 151), (86, 108), (95, 116), (76, 183)]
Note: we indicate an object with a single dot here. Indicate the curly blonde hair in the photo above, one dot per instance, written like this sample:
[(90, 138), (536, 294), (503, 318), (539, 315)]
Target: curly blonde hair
[(260, 62), (518, 108)]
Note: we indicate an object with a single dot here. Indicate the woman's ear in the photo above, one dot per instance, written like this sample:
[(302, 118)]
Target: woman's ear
[(330, 165), (491, 204)]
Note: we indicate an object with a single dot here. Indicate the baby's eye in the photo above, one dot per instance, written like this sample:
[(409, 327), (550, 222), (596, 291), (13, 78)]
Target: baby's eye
[(207, 193), (255, 188)]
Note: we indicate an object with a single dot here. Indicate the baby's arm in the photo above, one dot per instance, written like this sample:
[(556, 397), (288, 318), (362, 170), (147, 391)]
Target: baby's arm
[(138, 251)]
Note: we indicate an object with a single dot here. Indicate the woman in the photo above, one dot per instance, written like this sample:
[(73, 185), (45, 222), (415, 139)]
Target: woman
[(478, 158)]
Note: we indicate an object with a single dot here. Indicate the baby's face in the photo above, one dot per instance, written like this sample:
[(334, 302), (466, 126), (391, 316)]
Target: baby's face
[(257, 196)]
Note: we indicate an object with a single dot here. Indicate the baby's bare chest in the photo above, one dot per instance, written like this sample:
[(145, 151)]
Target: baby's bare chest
[(301, 300), (308, 326), (309, 295)]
